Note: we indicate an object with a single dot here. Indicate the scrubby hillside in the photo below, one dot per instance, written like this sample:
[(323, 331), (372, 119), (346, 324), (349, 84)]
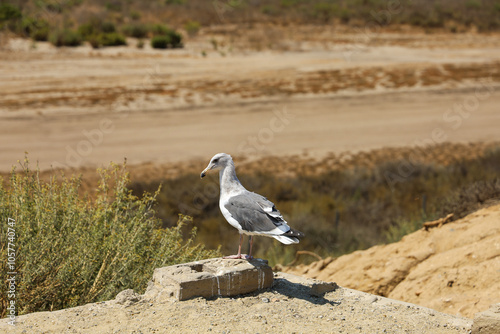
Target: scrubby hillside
[(453, 268), (455, 16)]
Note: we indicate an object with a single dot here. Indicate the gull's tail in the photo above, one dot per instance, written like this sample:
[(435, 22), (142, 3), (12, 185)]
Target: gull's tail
[(290, 237)]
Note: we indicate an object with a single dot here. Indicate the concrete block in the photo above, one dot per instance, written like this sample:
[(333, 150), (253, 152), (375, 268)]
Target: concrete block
[(209, 278)]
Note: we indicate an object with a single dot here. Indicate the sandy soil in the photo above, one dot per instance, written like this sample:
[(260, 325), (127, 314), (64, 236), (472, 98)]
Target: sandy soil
[(288, 307), (84, 107), (452, 268)]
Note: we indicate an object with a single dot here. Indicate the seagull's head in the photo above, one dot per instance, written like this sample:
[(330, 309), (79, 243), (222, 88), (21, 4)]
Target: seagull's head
[(219, 161)]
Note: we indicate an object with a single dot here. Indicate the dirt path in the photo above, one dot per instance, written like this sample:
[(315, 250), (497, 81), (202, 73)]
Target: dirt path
[(292, 126), (84, 107)]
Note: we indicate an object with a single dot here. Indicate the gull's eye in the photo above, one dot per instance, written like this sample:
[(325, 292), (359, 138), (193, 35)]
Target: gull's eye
[(215, 161)]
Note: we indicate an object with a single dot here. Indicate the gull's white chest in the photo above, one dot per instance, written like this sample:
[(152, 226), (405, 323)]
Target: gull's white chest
[(225, 212)]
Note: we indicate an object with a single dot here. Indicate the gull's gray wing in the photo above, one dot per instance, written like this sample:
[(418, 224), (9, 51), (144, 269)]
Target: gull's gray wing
[(256, 213)]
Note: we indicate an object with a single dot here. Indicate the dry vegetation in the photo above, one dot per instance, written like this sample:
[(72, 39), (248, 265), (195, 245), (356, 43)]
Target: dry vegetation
[(453, 15), (69, 23), (70, 250)]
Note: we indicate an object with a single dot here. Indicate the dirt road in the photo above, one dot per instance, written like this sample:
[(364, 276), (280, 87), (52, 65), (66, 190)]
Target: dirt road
[(315, 125), (84, 107)]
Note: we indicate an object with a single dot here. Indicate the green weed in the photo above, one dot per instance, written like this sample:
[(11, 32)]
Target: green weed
[(71, 250), (65, 37)]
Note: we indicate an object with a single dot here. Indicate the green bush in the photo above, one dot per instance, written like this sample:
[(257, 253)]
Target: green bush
[(37, 29), (175, 39), (112, 39), (9, 12), (171, 39), (106, 39), (160, 29), (160, 42), (86, 30), (324, 11), (114, 6), (175, 2), (65, 37), (71, 250), (135, 15), (192, 27), (473, 4), (108, 27), (94, 27), (137, 30)]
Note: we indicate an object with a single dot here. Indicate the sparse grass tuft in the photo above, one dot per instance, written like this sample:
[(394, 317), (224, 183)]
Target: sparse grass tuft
[(65, 37), (192, 27), (72, 250), (137, 30)]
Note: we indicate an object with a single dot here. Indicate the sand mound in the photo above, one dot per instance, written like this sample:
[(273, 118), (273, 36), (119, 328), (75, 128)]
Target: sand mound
[(453, 268)]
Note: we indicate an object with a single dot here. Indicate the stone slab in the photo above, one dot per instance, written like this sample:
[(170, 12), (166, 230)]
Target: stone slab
[(210, 278)]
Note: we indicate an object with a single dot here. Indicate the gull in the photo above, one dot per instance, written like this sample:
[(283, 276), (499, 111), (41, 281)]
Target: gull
[(248, 212)]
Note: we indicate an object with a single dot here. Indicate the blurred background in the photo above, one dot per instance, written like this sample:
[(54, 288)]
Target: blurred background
[(359, 119)]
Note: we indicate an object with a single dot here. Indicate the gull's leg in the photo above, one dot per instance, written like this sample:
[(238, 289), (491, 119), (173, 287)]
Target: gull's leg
[(238, 256), (249, 257), (239, 247)]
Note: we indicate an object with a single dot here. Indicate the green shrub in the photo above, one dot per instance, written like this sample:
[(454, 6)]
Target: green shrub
[(72, 250), (114, 6), (94, 27), (192, 27), (159, 29), (40, 34), (171, 39), (345, 15), (106, 39), (160, 42), (175, 2), (270, 10), (175, 39), (9, 12), (37, 29), (108, 27), (324, 11), (473, 4), (135, 15), (65, 37), (112, 39), (87, 29), (137, 30)]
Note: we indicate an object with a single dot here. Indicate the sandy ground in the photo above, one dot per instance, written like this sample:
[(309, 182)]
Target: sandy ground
[(288, 307), (452, 268), (84, 107)]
